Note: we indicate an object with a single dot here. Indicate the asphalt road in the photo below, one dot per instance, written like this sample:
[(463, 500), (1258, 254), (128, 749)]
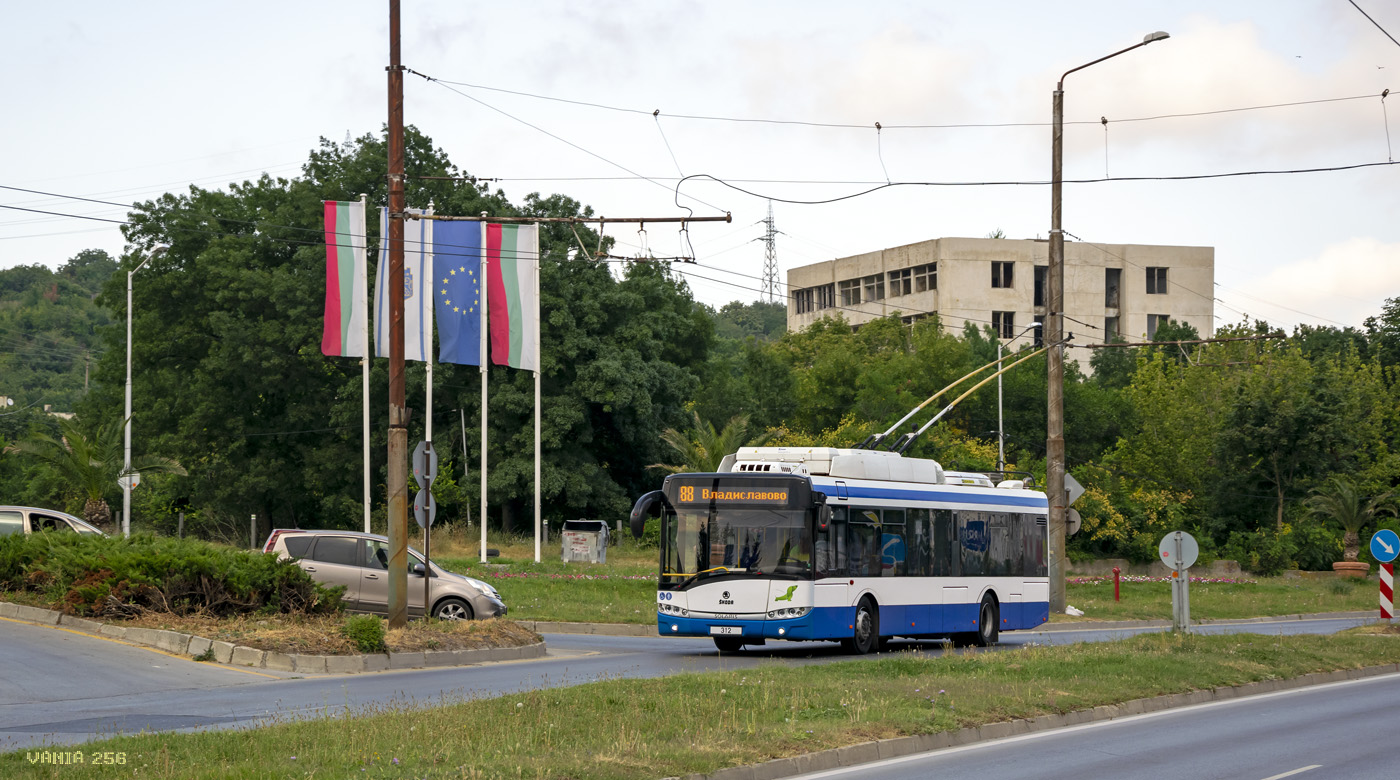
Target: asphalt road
[(63, 687), (1339, 730)]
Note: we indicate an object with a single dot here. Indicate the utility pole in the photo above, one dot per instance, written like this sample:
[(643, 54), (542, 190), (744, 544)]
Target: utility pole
[(1055, 341), (398, 411), (770, 259)]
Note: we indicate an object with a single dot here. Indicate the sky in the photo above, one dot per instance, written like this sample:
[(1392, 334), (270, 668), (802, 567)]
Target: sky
[(124, 102)]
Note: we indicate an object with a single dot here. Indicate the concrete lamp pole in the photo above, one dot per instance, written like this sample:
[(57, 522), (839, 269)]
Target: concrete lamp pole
[(1001, 432), (1054, 337), (126, 460)]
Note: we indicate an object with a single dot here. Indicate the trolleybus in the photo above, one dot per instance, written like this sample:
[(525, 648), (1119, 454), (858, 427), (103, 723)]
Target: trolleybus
[(849, 545)]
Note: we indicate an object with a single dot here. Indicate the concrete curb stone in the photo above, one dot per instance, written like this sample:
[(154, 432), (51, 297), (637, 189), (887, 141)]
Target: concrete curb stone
[(228, 653)]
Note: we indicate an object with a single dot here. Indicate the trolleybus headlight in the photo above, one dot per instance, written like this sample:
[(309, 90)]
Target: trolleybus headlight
[(789, 612)]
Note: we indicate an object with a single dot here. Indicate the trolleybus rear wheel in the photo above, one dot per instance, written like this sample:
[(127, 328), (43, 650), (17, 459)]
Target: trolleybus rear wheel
[(988, 622)]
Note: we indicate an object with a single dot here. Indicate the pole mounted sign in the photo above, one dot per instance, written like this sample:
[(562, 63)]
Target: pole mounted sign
[(425, 464), (1178, 551), (1385, 546)]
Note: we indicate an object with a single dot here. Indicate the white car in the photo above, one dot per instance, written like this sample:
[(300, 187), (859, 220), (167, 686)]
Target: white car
[(31, 520), (360, 562)]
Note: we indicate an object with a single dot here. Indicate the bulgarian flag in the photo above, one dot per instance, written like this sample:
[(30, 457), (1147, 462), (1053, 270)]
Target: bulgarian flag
[(347, 307), (513, 294)]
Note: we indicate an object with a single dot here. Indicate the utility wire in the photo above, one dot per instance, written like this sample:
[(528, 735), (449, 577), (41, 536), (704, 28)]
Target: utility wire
[(852, 126), (1373, 21)]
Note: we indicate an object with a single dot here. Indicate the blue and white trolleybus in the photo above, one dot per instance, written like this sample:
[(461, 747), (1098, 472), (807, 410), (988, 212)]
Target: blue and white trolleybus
[(849, 545)]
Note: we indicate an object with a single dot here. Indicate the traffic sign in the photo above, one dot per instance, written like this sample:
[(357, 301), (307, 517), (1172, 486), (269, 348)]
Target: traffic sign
[(425, 464), (1179, 550), (1073, 521), (1073, 490), (133, 477), (1385, 545), (424, 508)]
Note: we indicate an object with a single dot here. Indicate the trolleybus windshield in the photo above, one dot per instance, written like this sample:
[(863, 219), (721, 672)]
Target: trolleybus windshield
[(758, 541)]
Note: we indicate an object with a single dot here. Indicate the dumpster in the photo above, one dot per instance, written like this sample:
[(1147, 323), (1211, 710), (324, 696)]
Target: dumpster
[(585, 541)]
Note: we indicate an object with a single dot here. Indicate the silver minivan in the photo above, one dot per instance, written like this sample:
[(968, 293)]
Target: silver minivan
[(31, 520), (360, 562)]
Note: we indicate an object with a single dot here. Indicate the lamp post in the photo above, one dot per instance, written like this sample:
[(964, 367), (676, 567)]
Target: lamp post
[(1001, 433), (1054, 336), (126, 460)]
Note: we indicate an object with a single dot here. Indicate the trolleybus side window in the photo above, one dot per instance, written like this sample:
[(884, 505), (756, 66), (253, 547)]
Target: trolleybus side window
[(831, 546), (863, 542), (893, 547), (944, 536), (918, 545)]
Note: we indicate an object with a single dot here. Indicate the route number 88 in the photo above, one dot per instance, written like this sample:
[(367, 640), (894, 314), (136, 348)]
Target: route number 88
[(687, 493)]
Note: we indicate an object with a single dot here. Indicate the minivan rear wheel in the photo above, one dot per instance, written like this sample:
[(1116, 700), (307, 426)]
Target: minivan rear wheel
[(453, 609)]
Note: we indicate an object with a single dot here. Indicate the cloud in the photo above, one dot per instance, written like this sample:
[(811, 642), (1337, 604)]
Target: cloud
[(1344, 283)]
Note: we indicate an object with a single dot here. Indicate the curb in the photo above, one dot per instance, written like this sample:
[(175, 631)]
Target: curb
[(1088, 625), (867, 752), (237, 655), (633, 629)]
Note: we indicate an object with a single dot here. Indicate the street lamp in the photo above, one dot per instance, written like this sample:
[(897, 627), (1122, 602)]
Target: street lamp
[(126, 461), (1001, 433), (1054, 336)]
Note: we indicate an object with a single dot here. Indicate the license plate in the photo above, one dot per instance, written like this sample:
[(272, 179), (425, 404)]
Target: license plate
[(723, 630)]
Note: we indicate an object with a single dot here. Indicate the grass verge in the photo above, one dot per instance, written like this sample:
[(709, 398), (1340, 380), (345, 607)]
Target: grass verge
[(700, 722)]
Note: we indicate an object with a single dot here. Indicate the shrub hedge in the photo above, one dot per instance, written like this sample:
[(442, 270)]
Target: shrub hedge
[(85, 574)]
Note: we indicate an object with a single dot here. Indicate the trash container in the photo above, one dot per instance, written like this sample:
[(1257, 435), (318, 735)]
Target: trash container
[(585, 541)]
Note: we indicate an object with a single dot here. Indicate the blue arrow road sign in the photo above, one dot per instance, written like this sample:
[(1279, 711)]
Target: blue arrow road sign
[(1385, 545)]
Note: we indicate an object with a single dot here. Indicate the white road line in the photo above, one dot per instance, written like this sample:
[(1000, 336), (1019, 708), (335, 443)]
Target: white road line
[(1298, 771)]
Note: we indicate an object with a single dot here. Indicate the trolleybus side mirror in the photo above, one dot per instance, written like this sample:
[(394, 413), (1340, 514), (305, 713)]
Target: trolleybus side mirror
[(649, 505), (823, 518)]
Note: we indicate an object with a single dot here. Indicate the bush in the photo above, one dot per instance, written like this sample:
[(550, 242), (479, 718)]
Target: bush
[(366, 632), (98, 575), (1265, 552)]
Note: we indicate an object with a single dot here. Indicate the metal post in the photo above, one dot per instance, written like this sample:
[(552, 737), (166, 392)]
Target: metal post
[(1115, 583), (398, 411), (126, 459), (1001, 430), (180, 529), (252, 532)]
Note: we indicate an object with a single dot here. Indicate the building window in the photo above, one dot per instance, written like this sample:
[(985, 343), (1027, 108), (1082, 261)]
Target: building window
[(802, 300), (875, 287), (826, 296), (850, 292), (1042, 275), (1156, 281), (1155, 321), (901, 282), (1001, 274), (1004, 323), (1110, 329), (925, 277), (1112, 280)]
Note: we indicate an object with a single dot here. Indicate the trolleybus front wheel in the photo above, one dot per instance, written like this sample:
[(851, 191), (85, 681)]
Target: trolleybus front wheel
[(865, 631), (729, 644)]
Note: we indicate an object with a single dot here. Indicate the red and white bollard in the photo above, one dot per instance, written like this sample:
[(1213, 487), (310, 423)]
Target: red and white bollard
[(1387, 590)]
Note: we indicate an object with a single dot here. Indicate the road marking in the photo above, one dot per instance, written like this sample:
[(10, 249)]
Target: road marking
[(1298, 771), (142, 647)]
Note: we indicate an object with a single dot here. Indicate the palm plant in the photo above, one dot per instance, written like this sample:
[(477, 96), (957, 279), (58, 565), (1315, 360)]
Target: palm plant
[(1339, 500), (702, 448), (90, 465)]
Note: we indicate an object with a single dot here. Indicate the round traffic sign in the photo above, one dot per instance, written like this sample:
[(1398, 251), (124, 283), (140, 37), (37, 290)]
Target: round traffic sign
[(424, 508), (1178, 550), (1385, 545)]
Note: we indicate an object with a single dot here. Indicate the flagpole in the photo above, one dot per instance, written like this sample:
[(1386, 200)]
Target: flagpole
[(537, 391), (364, 364), (425, 287), (484, 297)]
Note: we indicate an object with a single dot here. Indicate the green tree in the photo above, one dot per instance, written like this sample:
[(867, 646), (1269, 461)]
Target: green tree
[(1339, 500), (702, 448), (90, 465)]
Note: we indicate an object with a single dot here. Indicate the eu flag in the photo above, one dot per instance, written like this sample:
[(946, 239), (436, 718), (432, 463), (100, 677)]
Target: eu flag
[(457, 289)]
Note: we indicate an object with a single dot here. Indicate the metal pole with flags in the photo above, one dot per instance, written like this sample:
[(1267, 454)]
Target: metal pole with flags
[(536, 274), (484, 299), (364, 360)]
